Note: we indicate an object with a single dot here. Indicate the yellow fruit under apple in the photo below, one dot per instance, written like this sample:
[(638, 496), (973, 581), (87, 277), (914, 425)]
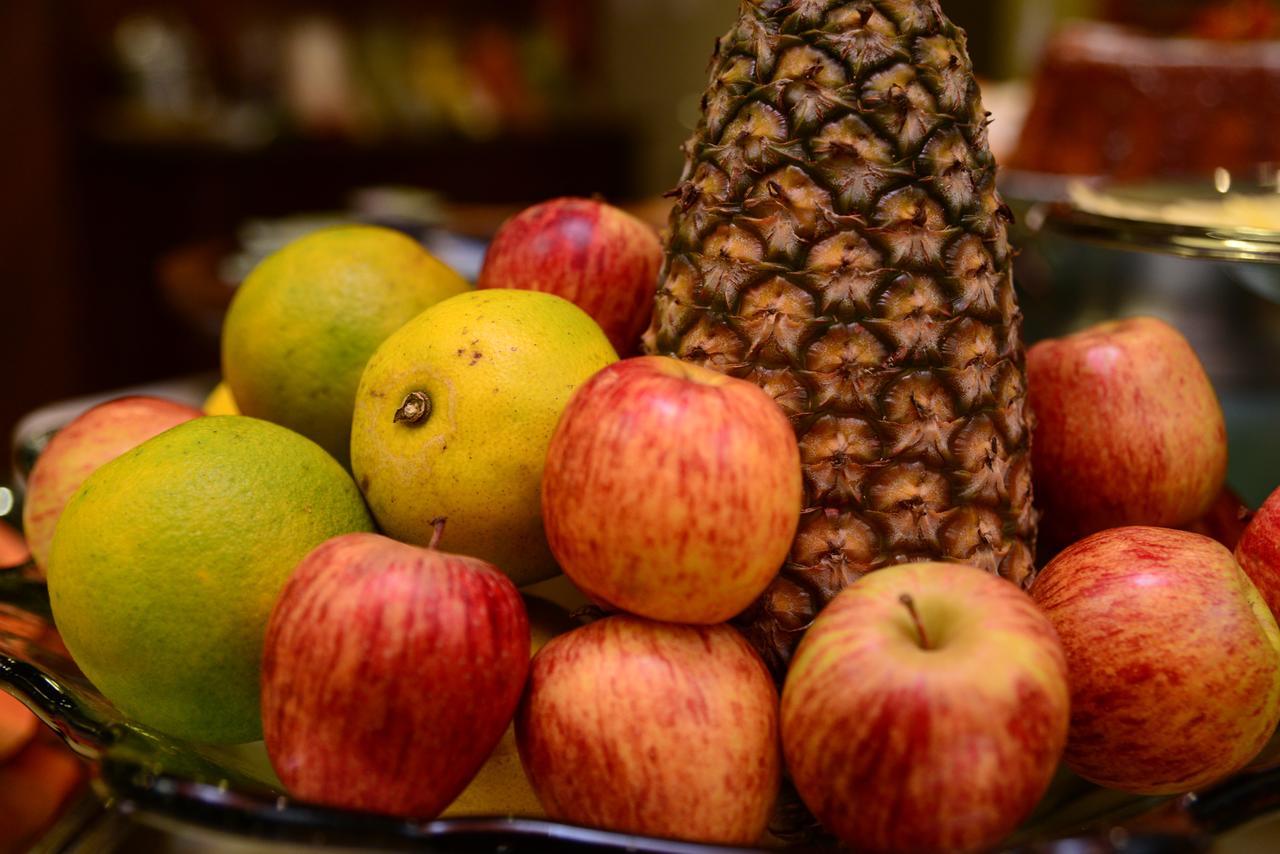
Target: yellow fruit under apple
[(501, 787)]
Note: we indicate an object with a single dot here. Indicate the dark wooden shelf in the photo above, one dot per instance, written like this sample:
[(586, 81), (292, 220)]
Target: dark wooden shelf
[(516, 166)]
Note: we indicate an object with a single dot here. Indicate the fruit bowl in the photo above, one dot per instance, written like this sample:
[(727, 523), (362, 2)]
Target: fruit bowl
[(186, 787), (162, 781)]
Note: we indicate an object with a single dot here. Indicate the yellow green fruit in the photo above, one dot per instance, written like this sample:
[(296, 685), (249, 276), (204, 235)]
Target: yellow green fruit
[(489, 372), (308, 317), (221, 401), (167, 562)]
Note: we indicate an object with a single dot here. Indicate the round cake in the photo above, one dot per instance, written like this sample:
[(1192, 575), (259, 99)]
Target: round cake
[(1115, 101)]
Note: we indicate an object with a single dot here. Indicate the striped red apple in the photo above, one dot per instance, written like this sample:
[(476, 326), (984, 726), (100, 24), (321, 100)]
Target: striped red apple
[(1129, 430), (594, 255), (1259, 552), (1174, 659), (653, 728), (925, 710), (672, 491), (93, 439), (389, 674)]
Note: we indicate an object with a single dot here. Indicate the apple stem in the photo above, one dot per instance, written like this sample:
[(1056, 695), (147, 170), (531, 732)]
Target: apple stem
[(415, 409), (588, 614), (436, 535), (910, 605)]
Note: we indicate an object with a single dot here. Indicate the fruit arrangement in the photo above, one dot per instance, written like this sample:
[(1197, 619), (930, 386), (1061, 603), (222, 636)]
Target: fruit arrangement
[(801, 529)]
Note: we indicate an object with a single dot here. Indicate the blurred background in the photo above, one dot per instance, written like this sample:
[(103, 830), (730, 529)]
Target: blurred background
[(153, 151)]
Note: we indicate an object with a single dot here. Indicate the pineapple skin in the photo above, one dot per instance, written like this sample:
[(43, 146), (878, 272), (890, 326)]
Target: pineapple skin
[(837, 238)]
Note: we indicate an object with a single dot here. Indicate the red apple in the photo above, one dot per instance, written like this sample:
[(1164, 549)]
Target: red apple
[(93, 439), (672, 491), (1129, 431), (13, 548), (389, 674), (1259, 552), (1173, 656), (653, 728), (925, 710), (592, 254)]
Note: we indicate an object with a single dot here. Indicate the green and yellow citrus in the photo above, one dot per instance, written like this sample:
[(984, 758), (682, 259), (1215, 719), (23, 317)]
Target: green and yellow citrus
[(306, 320), (167, 562), (490, 373)]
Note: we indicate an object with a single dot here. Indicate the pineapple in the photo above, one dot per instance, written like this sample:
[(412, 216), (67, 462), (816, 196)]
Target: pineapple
[(838, 239)]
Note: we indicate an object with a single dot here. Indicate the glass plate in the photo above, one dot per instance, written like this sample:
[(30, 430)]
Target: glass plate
[(1129, 219)]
